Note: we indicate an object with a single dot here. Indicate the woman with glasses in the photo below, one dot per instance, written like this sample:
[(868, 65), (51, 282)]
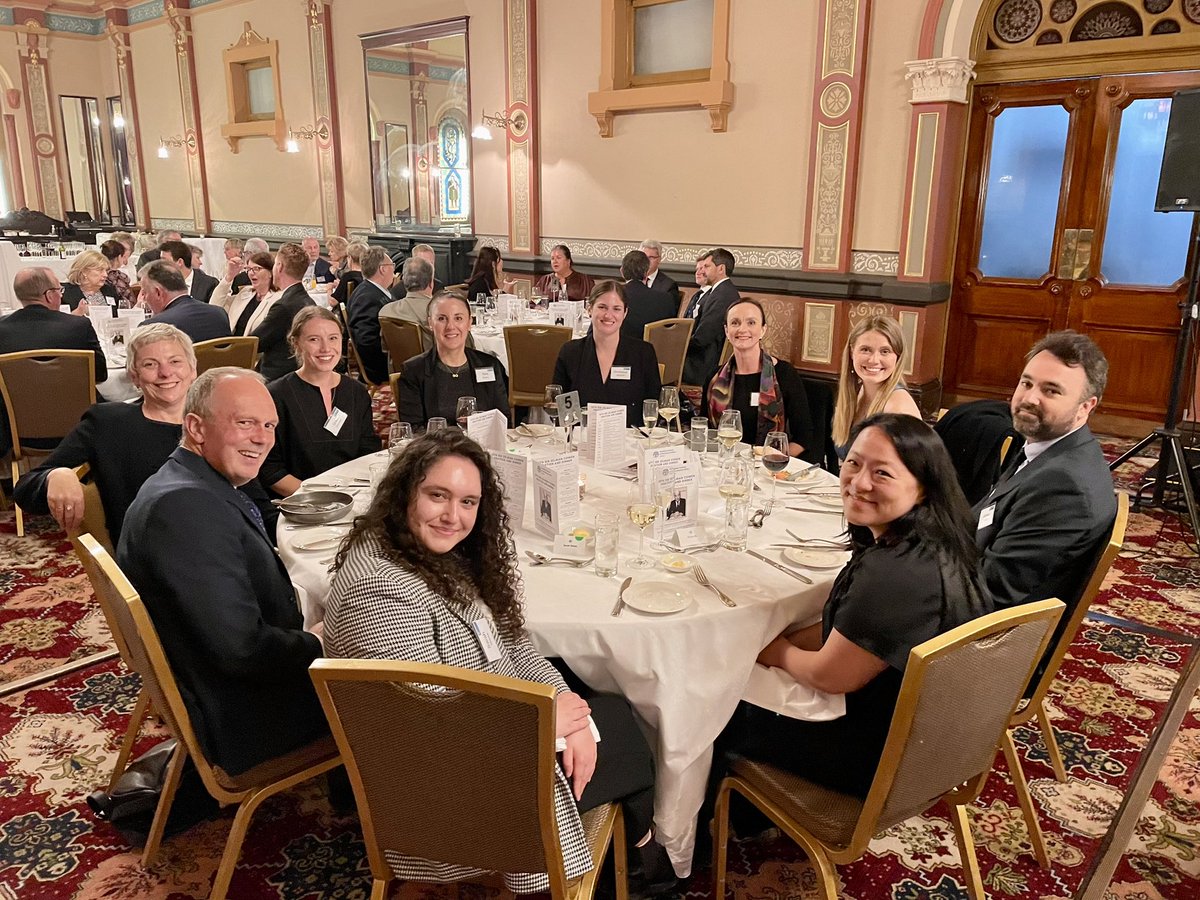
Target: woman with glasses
[(249, 306), (87, 283)]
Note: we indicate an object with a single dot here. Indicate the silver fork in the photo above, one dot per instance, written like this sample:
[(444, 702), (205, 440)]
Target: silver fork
[(540, 560), (703, 579)]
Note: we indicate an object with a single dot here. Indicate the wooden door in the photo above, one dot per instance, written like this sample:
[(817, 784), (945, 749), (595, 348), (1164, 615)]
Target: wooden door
[(1058, 231)]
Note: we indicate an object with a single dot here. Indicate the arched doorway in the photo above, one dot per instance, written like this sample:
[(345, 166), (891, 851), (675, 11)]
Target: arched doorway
[(1057, 227)]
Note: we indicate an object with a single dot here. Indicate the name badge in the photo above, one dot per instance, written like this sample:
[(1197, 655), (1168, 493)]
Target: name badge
[(486, 635), (336, 420), (754, 398), (485, 375), (620, 373), (986, 515)]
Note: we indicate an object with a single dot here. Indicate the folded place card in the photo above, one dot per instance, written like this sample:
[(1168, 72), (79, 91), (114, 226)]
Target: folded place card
[(488, 429), (513, 471)]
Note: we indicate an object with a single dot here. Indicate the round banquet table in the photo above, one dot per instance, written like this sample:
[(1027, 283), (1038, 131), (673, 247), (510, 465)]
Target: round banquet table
[(684, 673)]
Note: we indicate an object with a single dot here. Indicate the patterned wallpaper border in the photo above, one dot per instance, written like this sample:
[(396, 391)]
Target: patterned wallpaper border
[(269, 230)]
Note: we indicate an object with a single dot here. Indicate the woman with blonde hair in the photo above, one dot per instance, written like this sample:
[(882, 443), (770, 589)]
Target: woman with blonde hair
[(87, 282), (871, 381), (336, 246), (351, 275)]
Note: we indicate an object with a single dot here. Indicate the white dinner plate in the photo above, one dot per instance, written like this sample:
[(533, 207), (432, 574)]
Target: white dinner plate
[(816, 559), (658, 597), (834, 502), (314, 542), (535, 429)]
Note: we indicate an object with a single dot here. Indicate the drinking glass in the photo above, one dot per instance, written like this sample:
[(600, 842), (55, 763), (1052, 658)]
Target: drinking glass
[(699, 434), (642, 514), (608, 536), (668, 405), (649, 414), (377, 472), (463, 408), (437, 423), (734, 485), (775, 459), (398, 437), (729, 431), (550, 402)]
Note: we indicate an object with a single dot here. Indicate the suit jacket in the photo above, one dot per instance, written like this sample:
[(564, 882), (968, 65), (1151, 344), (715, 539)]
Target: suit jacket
[(1048, 522), (363, 313), (399, 291), (322, 271), (578, 369), (148, 257), (420, 392), (228, 618), (272, 333), (664, 283), (197, 320), (643, 306), (708, 337), (203, 285)]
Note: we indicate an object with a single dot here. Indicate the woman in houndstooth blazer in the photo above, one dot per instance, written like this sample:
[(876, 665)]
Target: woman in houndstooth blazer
[(429, 574)]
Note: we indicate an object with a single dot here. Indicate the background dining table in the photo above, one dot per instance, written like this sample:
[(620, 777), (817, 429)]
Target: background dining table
[(684, 672)]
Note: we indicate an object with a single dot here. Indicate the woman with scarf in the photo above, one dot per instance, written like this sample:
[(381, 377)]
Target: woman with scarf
[(767, 391)]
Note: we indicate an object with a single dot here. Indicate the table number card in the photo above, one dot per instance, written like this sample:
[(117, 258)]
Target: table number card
[(606, 435), (555, 492), (570, 411), (488, 429), (513, 472)]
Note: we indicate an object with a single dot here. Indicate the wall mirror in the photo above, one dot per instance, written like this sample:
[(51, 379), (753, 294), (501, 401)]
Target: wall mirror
[(418, 114), (87, 189), (123, 195)]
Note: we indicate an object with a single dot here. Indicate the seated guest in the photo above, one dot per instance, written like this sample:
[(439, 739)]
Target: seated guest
[(658, 280), (122, 443), (642, 305), (363, 312), (248, 308), (38, 325), (233, 250), (425, 252), (317, 269), (351, 276), (195, 548), (913, 575), (165, 294), (324, 417), (429, 574), (607, 366), (252, 246), (417, 278), (767, 391), (167, 234), (117, 255), (488, 275), (432, 382), (1043, 524), (563, 279), (87, 283), (277, 359), (692, 309), (200, 285), (871, 381), (335, 246), (708, 337)]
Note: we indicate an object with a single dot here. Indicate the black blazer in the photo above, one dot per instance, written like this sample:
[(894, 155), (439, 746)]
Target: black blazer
[(72, 294), (708, 337), (226, 614), (323, 271), (272, 333), (665, 284), (644, 305), (420, 398), (197, 320), (363, 313), (578, 369), (203, 285)]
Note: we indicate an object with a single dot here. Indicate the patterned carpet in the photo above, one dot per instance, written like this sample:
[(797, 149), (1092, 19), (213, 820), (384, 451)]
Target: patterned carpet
[(58, 741)]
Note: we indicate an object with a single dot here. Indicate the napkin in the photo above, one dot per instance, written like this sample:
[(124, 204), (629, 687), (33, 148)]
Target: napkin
[(776, 690)]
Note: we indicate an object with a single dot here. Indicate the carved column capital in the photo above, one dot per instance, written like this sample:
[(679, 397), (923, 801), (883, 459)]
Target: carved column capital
[(943, 80)]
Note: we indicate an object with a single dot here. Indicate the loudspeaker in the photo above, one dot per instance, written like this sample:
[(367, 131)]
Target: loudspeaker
[(1179, 180)]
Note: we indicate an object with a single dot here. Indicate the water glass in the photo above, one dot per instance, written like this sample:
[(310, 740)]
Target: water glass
[(377, 471), (608, 535), (698, 437), (737, 520), (437, 423), (398, 437)]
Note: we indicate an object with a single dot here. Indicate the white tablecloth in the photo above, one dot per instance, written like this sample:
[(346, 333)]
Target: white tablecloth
[(491, 343), (683, 673)]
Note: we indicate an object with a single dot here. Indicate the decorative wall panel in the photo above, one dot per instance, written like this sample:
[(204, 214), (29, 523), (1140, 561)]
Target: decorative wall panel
[(524, 195), (329, 164), (189, 105), (35, 77)]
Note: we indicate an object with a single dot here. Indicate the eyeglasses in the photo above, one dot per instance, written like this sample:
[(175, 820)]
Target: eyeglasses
[(255, 269)]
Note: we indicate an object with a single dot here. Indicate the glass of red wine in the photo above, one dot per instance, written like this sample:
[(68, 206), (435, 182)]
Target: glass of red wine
[(462, 409), (775, 459)]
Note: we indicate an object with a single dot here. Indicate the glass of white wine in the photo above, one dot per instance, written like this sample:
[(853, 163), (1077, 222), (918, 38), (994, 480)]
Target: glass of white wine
[(649, 414), (642, 514), (729, 431), (775, 460), (668, 405)]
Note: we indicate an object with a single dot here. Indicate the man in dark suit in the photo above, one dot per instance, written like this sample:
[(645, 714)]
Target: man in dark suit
[(708, 337), (165, 292), (642, 305), (195, 547), (272, 334), (167, 234), (363, 312), (425, 252), (38, 325), (658, 280), (692, 309), (199, 284), (318, 269), (1041, 527)]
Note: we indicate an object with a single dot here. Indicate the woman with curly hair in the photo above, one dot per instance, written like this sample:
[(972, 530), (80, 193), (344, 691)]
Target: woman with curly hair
[(429, 574)]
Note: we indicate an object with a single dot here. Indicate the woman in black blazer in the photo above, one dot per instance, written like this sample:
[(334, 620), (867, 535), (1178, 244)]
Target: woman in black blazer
[(606, 366)]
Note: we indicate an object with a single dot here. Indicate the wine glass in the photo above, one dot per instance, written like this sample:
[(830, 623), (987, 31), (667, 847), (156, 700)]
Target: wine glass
[(649, 414), (463, 408), (642, 514), (775, 459), (668, 405), (729, 431), (550, 402), (437, 423), (398, 437)]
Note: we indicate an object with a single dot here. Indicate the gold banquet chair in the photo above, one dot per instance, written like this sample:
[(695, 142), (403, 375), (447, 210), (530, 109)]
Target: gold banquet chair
[(933, 751), (1035, 704), (409, 752), (45, 393), (145, 653), (231, 351), (670, 337), (402, 340), (532, 352)]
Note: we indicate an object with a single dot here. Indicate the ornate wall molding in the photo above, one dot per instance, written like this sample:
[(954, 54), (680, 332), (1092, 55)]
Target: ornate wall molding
[(189, 107), (183, 225), (946, 80), (837, 117), (329, 162), (39, 110), (524, 176), (133, 146)]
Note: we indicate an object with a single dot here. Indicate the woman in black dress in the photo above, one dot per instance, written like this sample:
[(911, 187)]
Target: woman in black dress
[(324, 417), (488, 275)]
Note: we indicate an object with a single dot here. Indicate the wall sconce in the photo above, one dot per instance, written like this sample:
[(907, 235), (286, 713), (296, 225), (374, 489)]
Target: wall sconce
[(308, 132), (163, 143), (515, 123)]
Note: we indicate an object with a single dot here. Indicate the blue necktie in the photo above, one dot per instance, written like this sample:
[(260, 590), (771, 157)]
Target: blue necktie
[(249, 506)]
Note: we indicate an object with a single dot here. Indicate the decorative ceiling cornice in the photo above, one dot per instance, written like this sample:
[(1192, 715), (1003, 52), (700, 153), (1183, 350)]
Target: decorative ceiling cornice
[(90, 19)]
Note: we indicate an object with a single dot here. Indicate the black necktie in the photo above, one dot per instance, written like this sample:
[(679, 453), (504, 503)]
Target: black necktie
[(690, 312), (1014, 462)]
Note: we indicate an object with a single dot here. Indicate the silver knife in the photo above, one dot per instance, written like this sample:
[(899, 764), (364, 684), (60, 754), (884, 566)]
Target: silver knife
[(621, 596), (813, 509), (781, 567)]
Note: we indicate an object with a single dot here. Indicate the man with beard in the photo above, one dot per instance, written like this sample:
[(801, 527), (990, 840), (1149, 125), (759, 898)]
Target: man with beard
[(1040, 528)]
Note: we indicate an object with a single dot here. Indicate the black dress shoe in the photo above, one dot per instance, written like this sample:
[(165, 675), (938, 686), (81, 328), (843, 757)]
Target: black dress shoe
[(657, 877)]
